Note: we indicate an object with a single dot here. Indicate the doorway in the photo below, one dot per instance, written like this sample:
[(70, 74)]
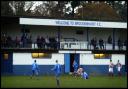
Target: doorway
[(69, 59)]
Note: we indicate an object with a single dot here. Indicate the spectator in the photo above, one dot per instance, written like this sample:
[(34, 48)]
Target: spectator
[(110, 40), (9, 41), (51, 42), (125, 43), (42, 42), (119, 44), (3, 40), (57, 42), (24, 40), (94, 43), (38, 41), (17, 42), (62, 44), (47, 42), (29, 41), (101, 43)]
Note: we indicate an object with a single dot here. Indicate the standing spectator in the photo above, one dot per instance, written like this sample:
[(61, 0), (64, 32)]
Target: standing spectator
[(95, 43), (9, 41), (62, 44), (101, 43), (119, 44), (30, 41), (4, 37), (3, 40), (110, 40), (47, 42), (38, 41), (57, 42), (92, 42), (42, 42), (17, 42), (125, 43), (24, 39)]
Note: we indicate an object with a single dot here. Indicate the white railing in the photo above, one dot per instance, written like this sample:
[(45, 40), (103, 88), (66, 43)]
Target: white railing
[(73, 45), (78, 45), (86, 45)]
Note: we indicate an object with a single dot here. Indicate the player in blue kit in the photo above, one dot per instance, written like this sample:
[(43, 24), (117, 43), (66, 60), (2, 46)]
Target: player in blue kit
[(75, 66), (35, 69), (57, 70), (84, 75)]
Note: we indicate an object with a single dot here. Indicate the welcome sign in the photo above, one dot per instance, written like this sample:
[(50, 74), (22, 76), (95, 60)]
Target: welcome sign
[(75, 23)]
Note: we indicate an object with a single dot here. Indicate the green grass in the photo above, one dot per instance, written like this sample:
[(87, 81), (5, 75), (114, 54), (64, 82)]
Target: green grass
[(65, 81)]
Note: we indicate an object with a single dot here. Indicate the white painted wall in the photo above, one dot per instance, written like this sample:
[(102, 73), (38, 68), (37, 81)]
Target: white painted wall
[(26, 59), (88, 59), (85, 59)]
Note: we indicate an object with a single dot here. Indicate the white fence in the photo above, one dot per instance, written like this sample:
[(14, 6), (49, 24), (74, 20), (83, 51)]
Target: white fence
[(86, 45)]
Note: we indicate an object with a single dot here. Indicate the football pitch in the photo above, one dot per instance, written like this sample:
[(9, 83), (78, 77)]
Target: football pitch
[(66, 81)]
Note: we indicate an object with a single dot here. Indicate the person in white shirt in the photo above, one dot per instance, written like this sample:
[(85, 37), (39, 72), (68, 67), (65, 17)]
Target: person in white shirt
[(119, 66), (111, 65)]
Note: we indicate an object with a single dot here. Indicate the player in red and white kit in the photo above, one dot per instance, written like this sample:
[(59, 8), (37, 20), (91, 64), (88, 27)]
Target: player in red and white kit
[(79, 71), (111, 65), (119, 66)]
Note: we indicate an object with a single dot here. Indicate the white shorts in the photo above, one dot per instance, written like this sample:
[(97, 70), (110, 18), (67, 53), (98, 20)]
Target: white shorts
[(118, 69), (111, 70)]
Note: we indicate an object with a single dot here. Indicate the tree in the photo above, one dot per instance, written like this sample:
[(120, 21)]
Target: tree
[(97, 11), (120, 7), (5, 8), (74, 4)]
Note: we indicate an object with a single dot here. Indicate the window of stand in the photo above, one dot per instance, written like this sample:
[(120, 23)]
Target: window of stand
[(102, 56), (5, 56), (42, 55)]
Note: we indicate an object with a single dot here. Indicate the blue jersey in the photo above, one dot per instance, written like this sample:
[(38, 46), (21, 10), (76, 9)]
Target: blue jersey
[(75, 65), (85, 75), (57, 69), (34, 66)]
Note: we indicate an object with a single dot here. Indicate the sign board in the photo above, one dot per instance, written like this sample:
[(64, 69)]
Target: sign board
[(75, 23)]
